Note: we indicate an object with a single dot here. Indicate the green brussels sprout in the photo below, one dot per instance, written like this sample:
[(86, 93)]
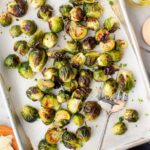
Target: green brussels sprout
[(17, 8), (25, 70), (76, 14), (92, 110), (37, 3), (56, 24), (115, 55), (59, 63), (84, 81), (37, 59), (43, 145), (92, 24), (76, 2), (63, 96), (62, 117), (78, 119), (50, 39), (77, 31), (5, 19), (121, 45), (110, 87), (34, 93), (21, 47), (29, 113), (131, 115), (70, 86), (12, 61), (15, 31), (47, 115), (83, 133), (99, 75), (57, 54), (89, 43), (28, 27), (108, 45), (94, 10), (65, 10), (119, 128), (89, 1), (102, 35), (50, 101), (45, 12)]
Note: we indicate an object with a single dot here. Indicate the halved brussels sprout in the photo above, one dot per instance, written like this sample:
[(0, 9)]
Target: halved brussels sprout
[(76, 14), (78, 119), (84, 81), (25, 70), (99, 75), (47, 115), (37, 59), (94, 10), (92, 110), (65, 10), (5, 19), (45, 12), (107, 45), (89, 43), (110, 87), (56, 24), (76, 2), (121, 45), (63, 96), (50, 101), (102, 35), (93, 24), (21, 47), (59, 63), (50, 39), (116, 55), (110, 70), (37, 3), (119, 128), (89, 1), (29, 113), (15, 31), (86, 73), (34, 93), (70, 86), (126, 81), (12, 61)]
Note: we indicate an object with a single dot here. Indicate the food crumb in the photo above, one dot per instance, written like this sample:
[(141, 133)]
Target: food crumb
[(9, 89), (140, 100), (146, 114)]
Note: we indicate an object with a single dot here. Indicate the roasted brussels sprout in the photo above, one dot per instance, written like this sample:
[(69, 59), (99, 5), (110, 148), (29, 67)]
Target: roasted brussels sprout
[(76, 14), (89, 43), (131, 115), (37, 59), (12, 61), (107, 45), (70, 86), (5, 19), (62, 117), (50, 101), (37, 3), (94, 10), (78, 119), (15, 31), (59, 63), (83, 133), (84, 81), (45, 12), (25, 70), (92, 110), (21, 47), (111, 24), (126, 81), (89, 1), (110, 87), (116, 55), (86, 73), (47, 115), (102, 35), (63, 96), (56, 24), (121, 45), (29, 113), (50, 39), (76, 2), (99, 75), (93, 24), (28, 27), (110, 70), (65, 10), (119, 128)]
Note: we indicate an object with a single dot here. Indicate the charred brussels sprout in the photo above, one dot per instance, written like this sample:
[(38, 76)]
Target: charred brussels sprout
[(131, 115), (78, 119), (63, 96), (45, 12), (5, 19), (50, 39), (56, 24), (29, 113), (121, 45), (89, 1), (84, 81), (76, 2), (83, 133), (12, 61), (70, 86), (119, 128), (107, 45), (76, 14), (21, 47), (28, 27), (15, 31), (92, 110), (37, 3), (37, 59), (115, 55), (65, 10), (99, 75), (25, 70), (57, 54), (47, 115), (94, 10), (89, 43), (59, 63), (86, 73), (110, 87), (93, 24), (34, 93), (102, 35)]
